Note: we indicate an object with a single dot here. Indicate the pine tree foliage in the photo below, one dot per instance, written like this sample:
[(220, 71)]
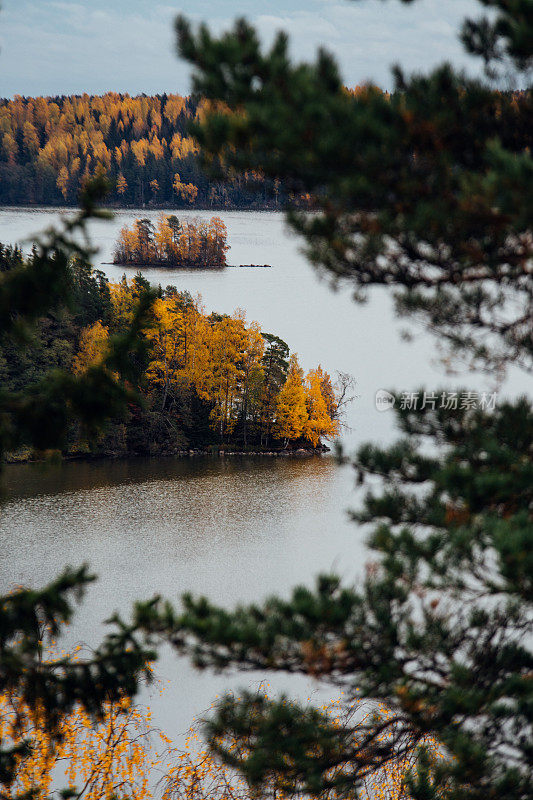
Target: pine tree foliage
[(427, 190), (39, 415), (439, 630)]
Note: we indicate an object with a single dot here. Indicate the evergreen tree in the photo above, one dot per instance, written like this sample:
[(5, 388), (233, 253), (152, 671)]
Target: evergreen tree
[(275, 364), (38, 415), (439, 630), (427, 191)]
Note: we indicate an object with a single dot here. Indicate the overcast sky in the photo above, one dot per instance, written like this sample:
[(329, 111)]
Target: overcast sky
[(51, 47)]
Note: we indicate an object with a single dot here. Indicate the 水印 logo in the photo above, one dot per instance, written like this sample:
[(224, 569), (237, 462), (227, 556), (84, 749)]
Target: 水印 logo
[(384, 400)]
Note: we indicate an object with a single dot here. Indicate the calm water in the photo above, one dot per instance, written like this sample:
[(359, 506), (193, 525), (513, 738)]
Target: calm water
[(237, 529)]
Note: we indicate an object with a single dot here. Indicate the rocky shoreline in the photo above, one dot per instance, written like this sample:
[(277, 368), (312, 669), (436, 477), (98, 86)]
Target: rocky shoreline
[(301, 452), (26, 457), (175, 267)]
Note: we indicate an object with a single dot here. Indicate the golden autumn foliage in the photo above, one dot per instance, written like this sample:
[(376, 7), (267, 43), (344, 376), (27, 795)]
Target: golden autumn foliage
[(122, 184), (321, 407), (306, 407), (226, 363), (173, 243), (186, 191), (92, 347), (124, 756), (50, 146), (195, 773), (96, 758), (109, 758), (291, 410)]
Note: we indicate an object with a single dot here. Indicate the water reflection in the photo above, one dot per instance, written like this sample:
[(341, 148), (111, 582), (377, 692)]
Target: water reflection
[(171, 510), (236, 529)]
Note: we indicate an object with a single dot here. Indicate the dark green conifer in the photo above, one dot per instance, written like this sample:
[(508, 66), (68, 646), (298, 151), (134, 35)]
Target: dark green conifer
[(428, 191)]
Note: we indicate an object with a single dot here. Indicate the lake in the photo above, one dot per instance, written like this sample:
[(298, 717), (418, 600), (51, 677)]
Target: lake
[(235, 529)]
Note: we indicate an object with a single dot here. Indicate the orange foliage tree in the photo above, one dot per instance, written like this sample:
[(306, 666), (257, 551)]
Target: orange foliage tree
[(197, 772), (321, 407), (92, 347), (112, 757), (200, 372), (173, 243), (291, 409), (224, 361), (123, 756), (49, 147)]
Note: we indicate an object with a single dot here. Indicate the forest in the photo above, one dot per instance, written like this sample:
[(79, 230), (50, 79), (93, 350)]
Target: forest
[(202, 381), (420, 624), (51, 146), (173, 243)]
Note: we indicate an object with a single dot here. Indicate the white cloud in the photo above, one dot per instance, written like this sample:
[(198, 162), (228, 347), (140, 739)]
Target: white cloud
[(56, 46)]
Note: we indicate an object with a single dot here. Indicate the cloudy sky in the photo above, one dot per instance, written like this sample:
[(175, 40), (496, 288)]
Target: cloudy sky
[(54, 47)]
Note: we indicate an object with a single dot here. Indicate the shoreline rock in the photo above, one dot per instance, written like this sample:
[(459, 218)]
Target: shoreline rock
[(23, 458), (174, 268)]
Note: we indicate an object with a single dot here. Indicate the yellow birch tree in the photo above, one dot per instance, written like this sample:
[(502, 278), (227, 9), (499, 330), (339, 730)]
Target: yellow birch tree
[(291, 410)]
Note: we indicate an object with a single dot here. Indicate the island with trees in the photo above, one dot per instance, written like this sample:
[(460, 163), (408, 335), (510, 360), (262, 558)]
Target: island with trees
[(194, 243)]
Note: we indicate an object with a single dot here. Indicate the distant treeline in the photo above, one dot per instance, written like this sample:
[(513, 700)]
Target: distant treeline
[(173, 243), (49, 146), (204, 380)]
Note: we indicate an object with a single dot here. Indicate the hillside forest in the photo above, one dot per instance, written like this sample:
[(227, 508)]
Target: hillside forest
[(204, 381), (51, 146), (173, 243)]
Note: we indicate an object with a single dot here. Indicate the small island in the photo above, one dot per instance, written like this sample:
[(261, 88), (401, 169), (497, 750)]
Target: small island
[(173, 243)]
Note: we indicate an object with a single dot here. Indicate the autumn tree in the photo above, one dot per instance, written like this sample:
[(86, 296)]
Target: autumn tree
[(173, 243), (291, 415), (225, 363), (168, 349), (154, 188), (185, 191), (39, 697), (217, 238), (62, 181), (321, 408), (108, 757), (133, 140), (122, 184), (92, 348)]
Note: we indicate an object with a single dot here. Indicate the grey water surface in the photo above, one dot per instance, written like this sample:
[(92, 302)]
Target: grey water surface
[(236, 529)]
